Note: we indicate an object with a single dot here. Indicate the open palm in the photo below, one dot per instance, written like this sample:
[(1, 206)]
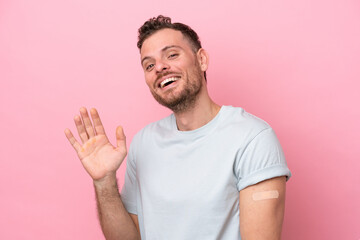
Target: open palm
[(98, 156)]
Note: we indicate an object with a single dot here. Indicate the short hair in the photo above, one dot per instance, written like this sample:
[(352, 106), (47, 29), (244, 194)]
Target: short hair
[(161, 22)]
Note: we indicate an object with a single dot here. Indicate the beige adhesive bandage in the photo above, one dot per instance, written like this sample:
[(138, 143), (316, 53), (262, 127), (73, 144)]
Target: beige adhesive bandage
[(265, 195)]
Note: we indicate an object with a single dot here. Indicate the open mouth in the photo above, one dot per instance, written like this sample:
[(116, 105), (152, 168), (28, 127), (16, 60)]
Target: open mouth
[(168, 81)]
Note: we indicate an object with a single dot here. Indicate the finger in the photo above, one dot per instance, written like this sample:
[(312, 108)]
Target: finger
[(81, 129), (120, 137), (87, 122), (99, 128), (72, 140)]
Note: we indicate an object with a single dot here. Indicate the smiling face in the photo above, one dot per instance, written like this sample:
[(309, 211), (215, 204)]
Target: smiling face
[(173, 72)]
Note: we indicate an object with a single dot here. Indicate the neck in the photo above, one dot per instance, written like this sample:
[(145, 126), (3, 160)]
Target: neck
[(199, 114)]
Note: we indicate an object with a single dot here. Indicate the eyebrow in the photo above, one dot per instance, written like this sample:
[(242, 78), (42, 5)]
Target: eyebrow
[(162, 50)]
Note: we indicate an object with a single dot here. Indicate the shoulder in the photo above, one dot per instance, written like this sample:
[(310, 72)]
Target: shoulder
[(158, 127), (237, 120)]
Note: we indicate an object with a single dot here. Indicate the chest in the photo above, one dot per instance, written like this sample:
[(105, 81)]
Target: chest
[(188, 171)]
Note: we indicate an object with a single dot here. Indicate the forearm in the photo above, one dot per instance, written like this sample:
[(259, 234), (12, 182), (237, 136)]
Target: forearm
[(115, 221)]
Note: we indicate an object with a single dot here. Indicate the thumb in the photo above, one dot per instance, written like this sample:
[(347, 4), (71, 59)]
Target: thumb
[(120, 137)]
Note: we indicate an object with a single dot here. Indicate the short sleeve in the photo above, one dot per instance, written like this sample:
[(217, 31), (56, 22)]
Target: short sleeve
[(129, 190), (261, 159)]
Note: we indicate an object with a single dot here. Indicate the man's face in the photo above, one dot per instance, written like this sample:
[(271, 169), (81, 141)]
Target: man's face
[(172, 70)]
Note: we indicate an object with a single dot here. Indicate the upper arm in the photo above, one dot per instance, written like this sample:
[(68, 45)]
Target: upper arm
[(261, 215), (135, 219)]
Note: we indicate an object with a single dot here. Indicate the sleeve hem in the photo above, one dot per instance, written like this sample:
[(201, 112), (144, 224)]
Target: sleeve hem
[(131, 208), (264, 174)]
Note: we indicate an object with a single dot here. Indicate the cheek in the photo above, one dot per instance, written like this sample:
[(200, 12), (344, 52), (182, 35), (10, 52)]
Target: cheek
[(149, 80)]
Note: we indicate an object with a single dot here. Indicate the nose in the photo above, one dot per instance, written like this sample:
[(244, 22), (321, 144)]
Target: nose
[(161, 66)]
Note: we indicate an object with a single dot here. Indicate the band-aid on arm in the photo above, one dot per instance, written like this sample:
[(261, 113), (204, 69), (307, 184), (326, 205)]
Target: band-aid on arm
[(265, 195)]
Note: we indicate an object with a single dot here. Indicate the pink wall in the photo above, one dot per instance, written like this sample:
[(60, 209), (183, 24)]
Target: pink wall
[(295, 64)]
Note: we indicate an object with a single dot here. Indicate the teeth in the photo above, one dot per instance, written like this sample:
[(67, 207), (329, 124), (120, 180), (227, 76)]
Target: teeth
[(172, 79)]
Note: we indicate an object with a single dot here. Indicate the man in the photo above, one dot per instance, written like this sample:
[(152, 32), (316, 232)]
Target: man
[(204, 172)]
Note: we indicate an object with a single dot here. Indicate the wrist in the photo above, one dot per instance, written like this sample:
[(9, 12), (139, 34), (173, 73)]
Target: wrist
[(107, 181)]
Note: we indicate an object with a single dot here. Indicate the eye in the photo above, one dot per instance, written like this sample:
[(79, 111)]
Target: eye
[(148, 67), (174, 55)]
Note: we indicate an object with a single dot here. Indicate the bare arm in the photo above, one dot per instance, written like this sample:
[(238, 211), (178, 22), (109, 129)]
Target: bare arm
[(101, 160), (115, 221), (262, 210)]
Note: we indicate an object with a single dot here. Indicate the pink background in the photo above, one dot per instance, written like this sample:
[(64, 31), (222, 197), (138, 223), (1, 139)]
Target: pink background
[(295, 64)]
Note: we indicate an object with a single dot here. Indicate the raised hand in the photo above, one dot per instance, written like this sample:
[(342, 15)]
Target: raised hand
[(98, 156)]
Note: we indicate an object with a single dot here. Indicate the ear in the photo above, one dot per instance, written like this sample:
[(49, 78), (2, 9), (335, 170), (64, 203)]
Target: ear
[(203, 59)]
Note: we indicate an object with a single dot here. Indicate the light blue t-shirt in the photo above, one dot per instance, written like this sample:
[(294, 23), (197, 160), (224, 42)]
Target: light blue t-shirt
[(185, 184)]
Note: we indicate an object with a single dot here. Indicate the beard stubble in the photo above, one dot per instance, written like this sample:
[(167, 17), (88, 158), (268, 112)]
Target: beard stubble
[(186, 99)]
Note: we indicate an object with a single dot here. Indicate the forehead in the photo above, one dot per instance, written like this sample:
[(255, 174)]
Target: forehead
[(162, 38)]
